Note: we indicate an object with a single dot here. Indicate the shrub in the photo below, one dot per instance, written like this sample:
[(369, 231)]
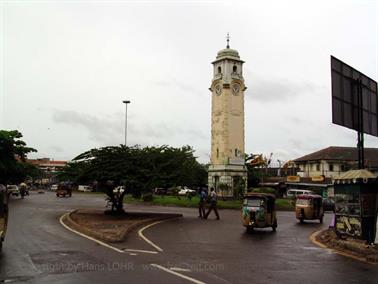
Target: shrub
[(148, 197), (265, 190)]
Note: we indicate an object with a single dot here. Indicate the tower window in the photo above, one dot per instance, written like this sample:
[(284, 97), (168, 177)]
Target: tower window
[(219, 70), (236, 152), (331, 167), (234, 69), (217, 153)]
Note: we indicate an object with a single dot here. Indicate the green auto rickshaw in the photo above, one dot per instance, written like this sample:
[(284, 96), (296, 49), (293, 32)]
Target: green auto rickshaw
[(259, 211), (3, 213)]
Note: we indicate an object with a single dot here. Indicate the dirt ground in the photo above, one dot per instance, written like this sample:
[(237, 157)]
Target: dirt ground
[(111, 228), (357, 248)]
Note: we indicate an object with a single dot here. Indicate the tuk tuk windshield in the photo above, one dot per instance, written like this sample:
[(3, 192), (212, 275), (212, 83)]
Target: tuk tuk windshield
[(304, 201), (252, 202)]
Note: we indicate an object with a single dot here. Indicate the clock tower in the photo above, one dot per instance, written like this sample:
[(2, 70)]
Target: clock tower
[(227, 173)]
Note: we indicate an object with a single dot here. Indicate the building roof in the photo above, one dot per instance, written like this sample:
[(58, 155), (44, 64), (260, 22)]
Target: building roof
[(46, 162), (356, 174), (341, 154)]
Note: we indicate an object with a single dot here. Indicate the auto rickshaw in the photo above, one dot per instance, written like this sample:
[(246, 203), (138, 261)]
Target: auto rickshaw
[(64, 189), (3, 213), (259, 211), (309, 207)]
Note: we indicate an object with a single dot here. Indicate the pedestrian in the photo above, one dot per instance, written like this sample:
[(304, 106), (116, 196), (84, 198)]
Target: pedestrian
[(213, 204), (201, 204)]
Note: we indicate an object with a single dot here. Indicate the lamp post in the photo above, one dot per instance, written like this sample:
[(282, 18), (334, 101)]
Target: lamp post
[(126, 103)]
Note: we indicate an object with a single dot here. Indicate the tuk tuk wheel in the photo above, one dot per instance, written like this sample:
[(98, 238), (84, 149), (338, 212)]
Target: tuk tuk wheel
[(249, 229), (274, 227)]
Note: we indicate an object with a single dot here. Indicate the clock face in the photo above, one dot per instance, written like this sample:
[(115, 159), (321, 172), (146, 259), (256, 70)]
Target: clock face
[(235, 89), (218, 90)]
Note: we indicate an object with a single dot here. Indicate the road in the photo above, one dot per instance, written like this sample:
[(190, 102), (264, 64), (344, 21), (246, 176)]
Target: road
[(38, 249)]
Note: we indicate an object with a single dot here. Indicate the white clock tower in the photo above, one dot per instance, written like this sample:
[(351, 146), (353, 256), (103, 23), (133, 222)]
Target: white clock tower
[(227, 172)]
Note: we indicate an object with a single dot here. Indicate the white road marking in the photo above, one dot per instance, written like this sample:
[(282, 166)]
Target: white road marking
[(180, 269), (140, 233), (177, 274), (87, 237), (140, 250), (133, 254)]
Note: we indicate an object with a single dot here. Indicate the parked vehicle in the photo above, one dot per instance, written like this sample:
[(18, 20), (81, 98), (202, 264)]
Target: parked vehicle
[(64, 190), (186, 191), (160, 191), (3, 213), (13, 190), (295, 192), (85, 188), (259, 211), (54, 187), (309, 207)]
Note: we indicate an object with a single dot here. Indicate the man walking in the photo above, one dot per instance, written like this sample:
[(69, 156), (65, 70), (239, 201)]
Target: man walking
[(213, 204), (201, 204)]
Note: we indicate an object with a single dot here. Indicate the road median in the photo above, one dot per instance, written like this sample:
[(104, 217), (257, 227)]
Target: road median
[(349, 247), (108, 228)]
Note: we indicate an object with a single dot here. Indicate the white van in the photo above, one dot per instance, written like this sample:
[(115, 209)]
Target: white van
[(85, 188), (296, 192)]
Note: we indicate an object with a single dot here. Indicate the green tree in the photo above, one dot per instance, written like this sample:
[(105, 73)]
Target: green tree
[(138, 169), (13, 152)]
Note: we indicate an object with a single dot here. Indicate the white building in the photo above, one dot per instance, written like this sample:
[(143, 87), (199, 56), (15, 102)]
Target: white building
[(333, 161)]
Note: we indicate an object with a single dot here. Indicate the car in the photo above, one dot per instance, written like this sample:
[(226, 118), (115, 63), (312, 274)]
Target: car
[(160, 191), (54, 187), (295, 192), (186, 191), (85, 188), (13, 190)]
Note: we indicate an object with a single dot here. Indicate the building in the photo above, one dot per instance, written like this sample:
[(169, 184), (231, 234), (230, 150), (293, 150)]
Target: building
[(49, 168), (227, 171), (47, 165), (331, 162)]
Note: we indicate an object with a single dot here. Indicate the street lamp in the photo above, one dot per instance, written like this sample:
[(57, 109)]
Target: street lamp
[(126, 103)]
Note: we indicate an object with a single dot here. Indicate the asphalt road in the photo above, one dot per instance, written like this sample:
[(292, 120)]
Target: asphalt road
[(38, 249)]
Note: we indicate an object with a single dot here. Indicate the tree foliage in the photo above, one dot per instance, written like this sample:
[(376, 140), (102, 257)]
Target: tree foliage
[(13, 152), (138, 169)]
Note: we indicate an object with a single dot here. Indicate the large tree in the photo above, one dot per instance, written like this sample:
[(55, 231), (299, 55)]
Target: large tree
[(13, 152), (138, 169)]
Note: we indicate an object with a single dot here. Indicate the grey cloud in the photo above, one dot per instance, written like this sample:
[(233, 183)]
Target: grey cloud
[(57, 149), (108, 130), (179, 84), (99, 129), (283, 90)]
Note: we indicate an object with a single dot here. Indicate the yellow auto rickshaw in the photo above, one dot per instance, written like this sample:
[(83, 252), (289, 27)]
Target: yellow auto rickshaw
[(3, 213), (309, 207), (259, 211)]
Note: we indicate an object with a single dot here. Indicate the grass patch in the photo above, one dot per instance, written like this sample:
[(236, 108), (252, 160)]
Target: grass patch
[(183, 201)]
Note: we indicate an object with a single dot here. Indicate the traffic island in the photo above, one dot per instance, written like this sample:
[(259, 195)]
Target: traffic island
[(108, 228), (357, 249)]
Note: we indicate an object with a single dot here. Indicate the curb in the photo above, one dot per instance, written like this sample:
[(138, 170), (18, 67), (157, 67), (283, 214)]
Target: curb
[(123, 234), (345, 254)]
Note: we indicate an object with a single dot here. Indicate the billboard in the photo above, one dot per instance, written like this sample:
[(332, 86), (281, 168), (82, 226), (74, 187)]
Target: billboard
[(354, 98)]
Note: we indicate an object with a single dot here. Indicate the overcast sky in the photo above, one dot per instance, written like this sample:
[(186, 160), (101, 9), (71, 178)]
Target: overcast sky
[(67, 66)]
